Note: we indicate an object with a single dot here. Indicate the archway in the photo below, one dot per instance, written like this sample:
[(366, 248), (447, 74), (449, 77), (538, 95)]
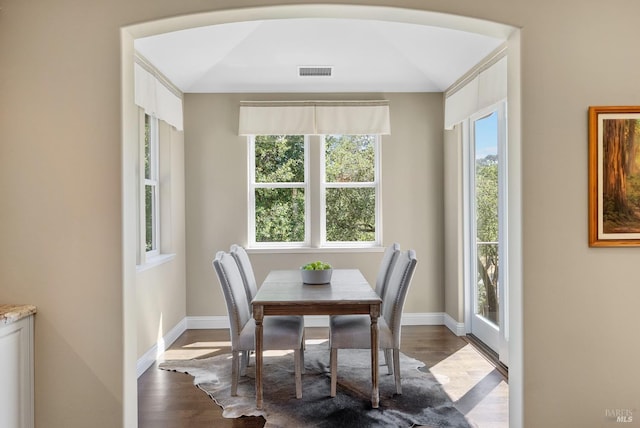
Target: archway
[(401, 15)]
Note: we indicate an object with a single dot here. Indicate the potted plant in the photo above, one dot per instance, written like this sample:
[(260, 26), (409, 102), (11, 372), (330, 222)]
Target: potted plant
[(316, 273)]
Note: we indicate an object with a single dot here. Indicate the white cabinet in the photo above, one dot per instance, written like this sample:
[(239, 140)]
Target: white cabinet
[(16, 373)]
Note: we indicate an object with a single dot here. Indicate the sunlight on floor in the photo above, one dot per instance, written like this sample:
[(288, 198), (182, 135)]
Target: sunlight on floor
[(476, 387), (193, 350), (461, 371), (186, 354), (208, 344), (495, 409), (316, 341), (200, 349)]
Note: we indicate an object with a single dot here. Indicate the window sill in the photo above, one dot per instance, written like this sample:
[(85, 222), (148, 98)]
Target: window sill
[(154, 261), (302, 250)]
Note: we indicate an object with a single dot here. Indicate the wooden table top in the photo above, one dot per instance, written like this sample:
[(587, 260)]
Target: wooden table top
[(285, 287)]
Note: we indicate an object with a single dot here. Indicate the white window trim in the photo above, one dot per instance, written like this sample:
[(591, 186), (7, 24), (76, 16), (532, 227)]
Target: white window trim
[(289, 185), (376, 184)]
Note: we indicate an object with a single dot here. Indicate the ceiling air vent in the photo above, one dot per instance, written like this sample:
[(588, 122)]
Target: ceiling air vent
[(315, 71)]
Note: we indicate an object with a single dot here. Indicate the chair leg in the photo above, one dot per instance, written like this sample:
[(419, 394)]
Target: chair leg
[(333, 363), (304, 346), (297, 356), (388, 359), (396, 370), (235, 372), (244, 362)]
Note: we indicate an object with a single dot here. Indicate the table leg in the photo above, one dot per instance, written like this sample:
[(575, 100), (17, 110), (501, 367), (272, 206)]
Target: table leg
[(258, 315), (375, 395)]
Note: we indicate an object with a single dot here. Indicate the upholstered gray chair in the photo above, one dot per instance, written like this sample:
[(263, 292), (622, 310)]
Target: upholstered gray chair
[(246, 270), (389, 257), (353, 331), (251, 287), (279, 333), (384, 271)]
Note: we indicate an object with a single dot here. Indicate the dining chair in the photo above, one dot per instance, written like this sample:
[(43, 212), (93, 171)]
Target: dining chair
[(353, 331), (279, 333), (251, 287), (388, 259), (246, 270), (384, 271)]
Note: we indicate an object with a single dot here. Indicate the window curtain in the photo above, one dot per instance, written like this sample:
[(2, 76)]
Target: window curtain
[(314, 117), (156, 99), (267, 118), (488, 87)]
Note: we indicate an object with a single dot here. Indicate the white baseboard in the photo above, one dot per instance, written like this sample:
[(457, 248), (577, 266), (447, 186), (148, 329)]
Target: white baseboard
[(456, 327), (422, 318), (204, 323), (150, 357)]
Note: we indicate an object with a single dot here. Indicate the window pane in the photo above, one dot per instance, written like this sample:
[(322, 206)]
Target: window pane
[(279, 158), (147, 146), (349, 158), (149, 202), (280, 215), (350, 214), (486, 179)]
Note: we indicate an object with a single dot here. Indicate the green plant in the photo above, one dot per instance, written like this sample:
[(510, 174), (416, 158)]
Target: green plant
[(317, 265)]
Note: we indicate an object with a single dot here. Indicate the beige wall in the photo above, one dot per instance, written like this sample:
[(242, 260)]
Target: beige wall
[(216, 182), (61, 202), (161, 289), (453, 227)]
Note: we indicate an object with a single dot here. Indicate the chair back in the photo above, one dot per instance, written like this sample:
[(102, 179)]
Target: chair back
[(234, 294), (388, 259), (396, 292), (246, 270)]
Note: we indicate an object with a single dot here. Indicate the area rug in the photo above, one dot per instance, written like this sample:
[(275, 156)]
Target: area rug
[(423, 402)]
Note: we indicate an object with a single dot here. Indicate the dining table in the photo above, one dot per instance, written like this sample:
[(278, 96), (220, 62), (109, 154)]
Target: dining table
[(284, 293)]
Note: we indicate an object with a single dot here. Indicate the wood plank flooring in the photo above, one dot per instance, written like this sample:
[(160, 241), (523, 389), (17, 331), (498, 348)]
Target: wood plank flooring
[(170, 400)]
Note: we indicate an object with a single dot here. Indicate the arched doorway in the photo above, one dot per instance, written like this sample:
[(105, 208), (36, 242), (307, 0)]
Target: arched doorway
[(129, 146)]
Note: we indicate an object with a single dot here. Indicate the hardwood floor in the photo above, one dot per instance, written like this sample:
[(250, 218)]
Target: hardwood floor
[(170, 400)]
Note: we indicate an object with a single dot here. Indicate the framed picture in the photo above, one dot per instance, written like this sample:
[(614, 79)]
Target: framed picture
[(614, 176)]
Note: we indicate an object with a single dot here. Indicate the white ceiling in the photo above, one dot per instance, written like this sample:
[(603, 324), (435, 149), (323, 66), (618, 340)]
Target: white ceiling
[(366, 56)]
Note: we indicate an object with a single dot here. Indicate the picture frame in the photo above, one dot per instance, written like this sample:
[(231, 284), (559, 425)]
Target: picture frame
[(614, 176)]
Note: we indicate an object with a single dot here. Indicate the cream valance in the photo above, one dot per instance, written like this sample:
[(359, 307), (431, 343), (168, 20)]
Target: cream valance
[(484, 90), (314, 117), (156, 99)]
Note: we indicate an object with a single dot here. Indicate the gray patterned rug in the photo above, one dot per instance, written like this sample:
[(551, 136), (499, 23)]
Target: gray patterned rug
[(423, 401)]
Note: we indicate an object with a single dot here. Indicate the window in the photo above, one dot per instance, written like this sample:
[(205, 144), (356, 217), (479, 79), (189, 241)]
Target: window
[(346, 181), (350, 189), (151, 188), (485, 140), (279, 189)]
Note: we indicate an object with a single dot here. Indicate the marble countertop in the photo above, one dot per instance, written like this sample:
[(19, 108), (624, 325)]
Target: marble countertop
[(12, 313)]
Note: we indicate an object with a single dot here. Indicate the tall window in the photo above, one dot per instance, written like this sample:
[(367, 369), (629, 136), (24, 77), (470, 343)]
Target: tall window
[(345, 189), (486, 211), (151, 191), (350, 189), (485, 135), (279, 189)]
